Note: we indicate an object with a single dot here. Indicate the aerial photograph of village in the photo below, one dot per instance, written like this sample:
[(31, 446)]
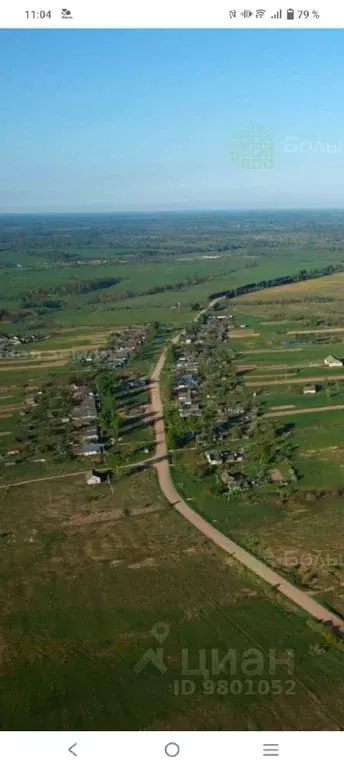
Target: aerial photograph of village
[(171, 393)]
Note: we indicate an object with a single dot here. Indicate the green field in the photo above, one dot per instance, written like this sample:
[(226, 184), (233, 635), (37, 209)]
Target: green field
[(308, 526), (86, 586), (86, 572)]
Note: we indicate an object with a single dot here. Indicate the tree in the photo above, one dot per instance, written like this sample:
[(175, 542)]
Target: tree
[(117, 461)]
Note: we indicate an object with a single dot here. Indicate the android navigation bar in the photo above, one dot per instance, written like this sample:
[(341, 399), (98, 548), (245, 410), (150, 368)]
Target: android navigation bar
[(174, 749)]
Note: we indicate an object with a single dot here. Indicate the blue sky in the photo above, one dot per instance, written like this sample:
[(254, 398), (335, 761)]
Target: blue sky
[(114, 120)]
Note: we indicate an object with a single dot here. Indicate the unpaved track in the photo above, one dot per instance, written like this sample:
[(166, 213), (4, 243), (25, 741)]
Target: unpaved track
[(45, 477), (268, 351), (242, 334), (281, 408), (290, 411), (145, 463), (7, 410), (296, 380), (294, 594), (256, 368), (32, 367), (316, 330)]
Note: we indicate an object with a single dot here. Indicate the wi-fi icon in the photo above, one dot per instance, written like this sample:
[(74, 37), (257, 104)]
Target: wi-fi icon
[(260, 14)]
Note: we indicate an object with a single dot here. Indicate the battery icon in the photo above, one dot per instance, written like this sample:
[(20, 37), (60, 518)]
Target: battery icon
[(290, 14)]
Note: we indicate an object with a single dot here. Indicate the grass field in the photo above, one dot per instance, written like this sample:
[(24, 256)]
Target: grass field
[(86, 572), (179, 274), (87, 584), (309, 526), (319, 300)]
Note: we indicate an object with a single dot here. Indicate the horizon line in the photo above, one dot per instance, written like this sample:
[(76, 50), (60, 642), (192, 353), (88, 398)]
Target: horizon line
[(150, 211)]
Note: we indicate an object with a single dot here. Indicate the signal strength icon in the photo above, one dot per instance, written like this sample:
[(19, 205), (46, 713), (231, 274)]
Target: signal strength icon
[(277, 15), (260, 14)]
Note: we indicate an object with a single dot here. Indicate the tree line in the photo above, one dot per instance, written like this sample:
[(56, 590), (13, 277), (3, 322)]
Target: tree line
[(75, 288), (275, 281)]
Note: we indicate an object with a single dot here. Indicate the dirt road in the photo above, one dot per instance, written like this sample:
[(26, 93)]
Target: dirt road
[(44, 478), (295, 380), (7, 410), (294, 594), (256, 368), (289, 411), (31, 366), (242, 334), (267, 350), (316, 330), (145, 463)]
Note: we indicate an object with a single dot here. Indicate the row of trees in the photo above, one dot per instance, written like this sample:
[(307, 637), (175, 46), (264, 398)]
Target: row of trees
[(275, 281), (32, 298), (156, 289), (108, 386)]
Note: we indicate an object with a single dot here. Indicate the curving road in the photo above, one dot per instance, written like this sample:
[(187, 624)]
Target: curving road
[(162, 465)]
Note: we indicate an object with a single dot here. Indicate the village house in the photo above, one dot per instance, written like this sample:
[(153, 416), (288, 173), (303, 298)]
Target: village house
[(310, 390), (89, 449), (232, 457), (194, 409), (231, 482), (184, 398), (191, 367), (333, 362), (189, 410), (30, 401), (275, 476), (136, 383), (85, 411), (95, 478), (89, 434), (92, 478), (236, 410), (213, 459)]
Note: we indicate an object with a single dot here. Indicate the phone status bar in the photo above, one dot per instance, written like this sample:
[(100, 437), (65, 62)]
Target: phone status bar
[(290, 14), (180, 14)]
